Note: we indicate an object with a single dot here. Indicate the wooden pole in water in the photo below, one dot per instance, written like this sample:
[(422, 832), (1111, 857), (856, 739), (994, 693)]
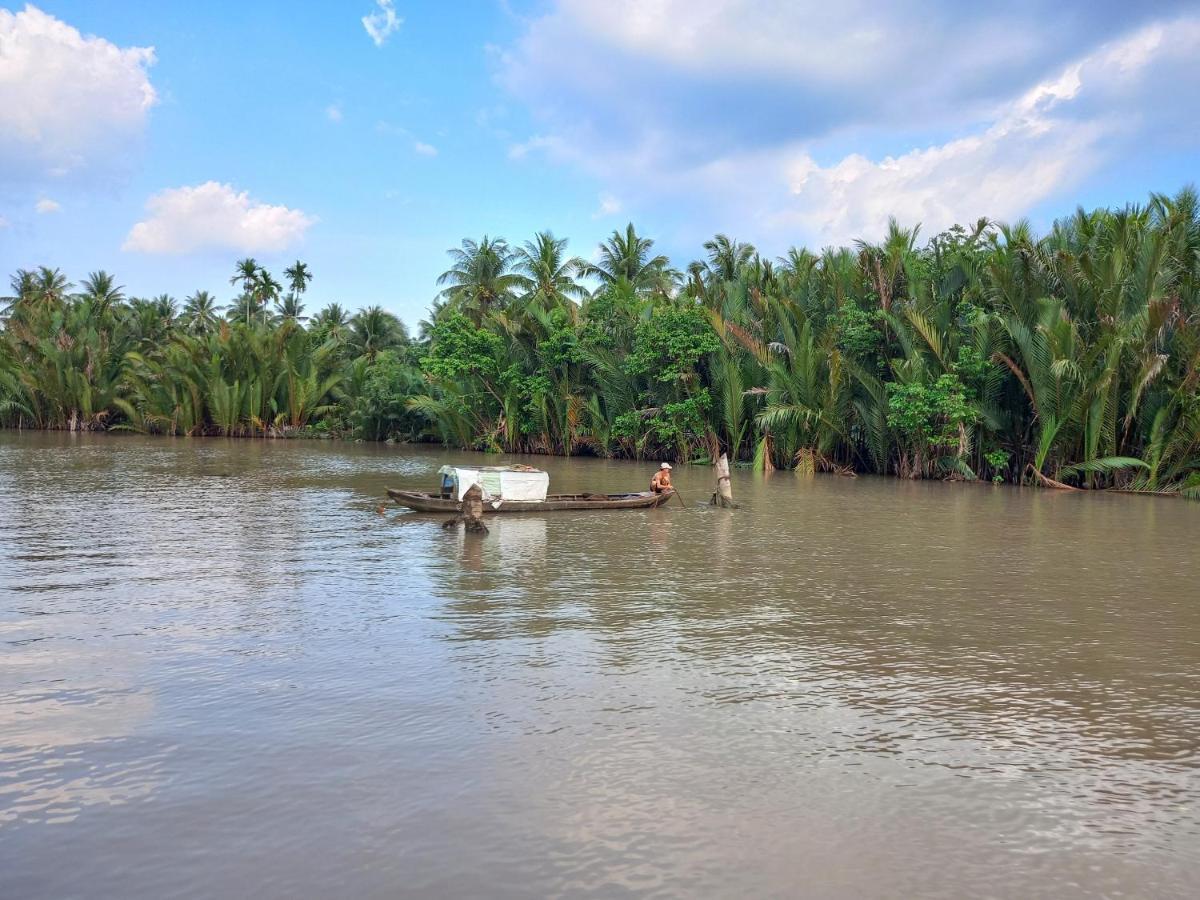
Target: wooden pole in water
[(724, 493), (471, 512)]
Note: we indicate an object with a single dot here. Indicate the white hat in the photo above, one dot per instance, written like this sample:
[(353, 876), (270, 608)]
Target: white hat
[(665, 466)]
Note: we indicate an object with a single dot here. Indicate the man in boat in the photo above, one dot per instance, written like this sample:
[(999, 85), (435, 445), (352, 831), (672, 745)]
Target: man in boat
[(661, 482)]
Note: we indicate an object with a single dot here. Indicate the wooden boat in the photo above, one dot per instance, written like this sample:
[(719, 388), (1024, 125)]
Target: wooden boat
[(427, 502), (512, 489)]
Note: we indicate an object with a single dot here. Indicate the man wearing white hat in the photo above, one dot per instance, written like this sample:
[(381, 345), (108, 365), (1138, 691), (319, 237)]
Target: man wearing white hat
[(661, 482)]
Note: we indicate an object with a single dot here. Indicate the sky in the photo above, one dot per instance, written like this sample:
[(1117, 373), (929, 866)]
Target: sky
[(163, 141)]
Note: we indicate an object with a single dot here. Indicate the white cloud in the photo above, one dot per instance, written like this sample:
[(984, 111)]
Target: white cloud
[(215, 216), (763, 66), (1045, 142), (68, 102), (333, 112), (4, 223), (609, 206), (804, 124), (46, 205), (382, 23), (420, 147), (557, 147)]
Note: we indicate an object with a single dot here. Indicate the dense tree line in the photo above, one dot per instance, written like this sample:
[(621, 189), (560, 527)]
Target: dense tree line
[(987, 352)]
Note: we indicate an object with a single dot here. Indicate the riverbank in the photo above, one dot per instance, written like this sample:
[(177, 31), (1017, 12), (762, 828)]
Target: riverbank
[(988, 353)]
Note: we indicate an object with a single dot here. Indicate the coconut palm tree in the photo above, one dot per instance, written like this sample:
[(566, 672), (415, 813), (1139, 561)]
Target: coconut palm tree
[(332, 315), (200, 313), (374, 330), (23, 284), (726, 257), (44, 289), (166, 307), (291, 309), (102, 291), (627, 257), (546, 275), (481, 277)]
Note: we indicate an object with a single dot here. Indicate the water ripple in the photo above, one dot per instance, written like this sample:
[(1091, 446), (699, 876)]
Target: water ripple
[(221, 670)]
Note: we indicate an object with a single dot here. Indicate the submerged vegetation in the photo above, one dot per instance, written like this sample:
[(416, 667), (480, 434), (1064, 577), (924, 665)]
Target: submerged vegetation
[(988, 352)]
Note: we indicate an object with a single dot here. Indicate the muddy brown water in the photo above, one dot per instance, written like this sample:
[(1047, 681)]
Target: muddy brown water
[(223, 673)]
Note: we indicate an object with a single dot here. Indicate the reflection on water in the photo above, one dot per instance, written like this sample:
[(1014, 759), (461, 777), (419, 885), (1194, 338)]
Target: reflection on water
[(221, 669)]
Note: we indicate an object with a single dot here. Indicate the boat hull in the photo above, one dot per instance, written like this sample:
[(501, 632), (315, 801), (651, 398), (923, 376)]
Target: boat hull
[(426, 502)]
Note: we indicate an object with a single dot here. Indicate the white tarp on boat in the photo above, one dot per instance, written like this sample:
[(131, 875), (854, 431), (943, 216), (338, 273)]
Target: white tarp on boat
[(499, 482)]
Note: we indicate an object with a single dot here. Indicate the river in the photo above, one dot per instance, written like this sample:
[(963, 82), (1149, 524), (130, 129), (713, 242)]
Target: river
[(224, 673)]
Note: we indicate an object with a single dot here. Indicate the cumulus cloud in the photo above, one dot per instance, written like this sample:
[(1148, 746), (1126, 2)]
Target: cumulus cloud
[(46, 205), (1045, 142), (382, 23), (818, 121), (69, 103), (215, 216), (681, 77), (423, 149)]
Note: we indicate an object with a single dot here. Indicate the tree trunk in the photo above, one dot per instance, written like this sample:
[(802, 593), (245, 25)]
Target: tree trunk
[(724, 493), (806, 462)]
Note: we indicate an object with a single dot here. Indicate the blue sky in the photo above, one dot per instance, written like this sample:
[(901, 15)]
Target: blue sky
[(285, 130)]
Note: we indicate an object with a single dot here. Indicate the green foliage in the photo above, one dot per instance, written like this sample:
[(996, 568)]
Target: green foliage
[(459, 348), (998, 461), (669, 345), (929, 414), (674, 425), (1077, 353), (381, 408), (930, 420), (857, 333)]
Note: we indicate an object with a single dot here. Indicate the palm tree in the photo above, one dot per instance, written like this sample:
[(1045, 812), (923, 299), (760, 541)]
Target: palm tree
[(481, 278), (24, 287), (166, 307), (887, 265), (726, 257), (333, 316), (298, 277), (806, 400), (243, 309), (47, 288), (626, 257), (265, 291), (244, 273), (374, 330), (200, 312), (101, 290), (291, 309), (546, 274)]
